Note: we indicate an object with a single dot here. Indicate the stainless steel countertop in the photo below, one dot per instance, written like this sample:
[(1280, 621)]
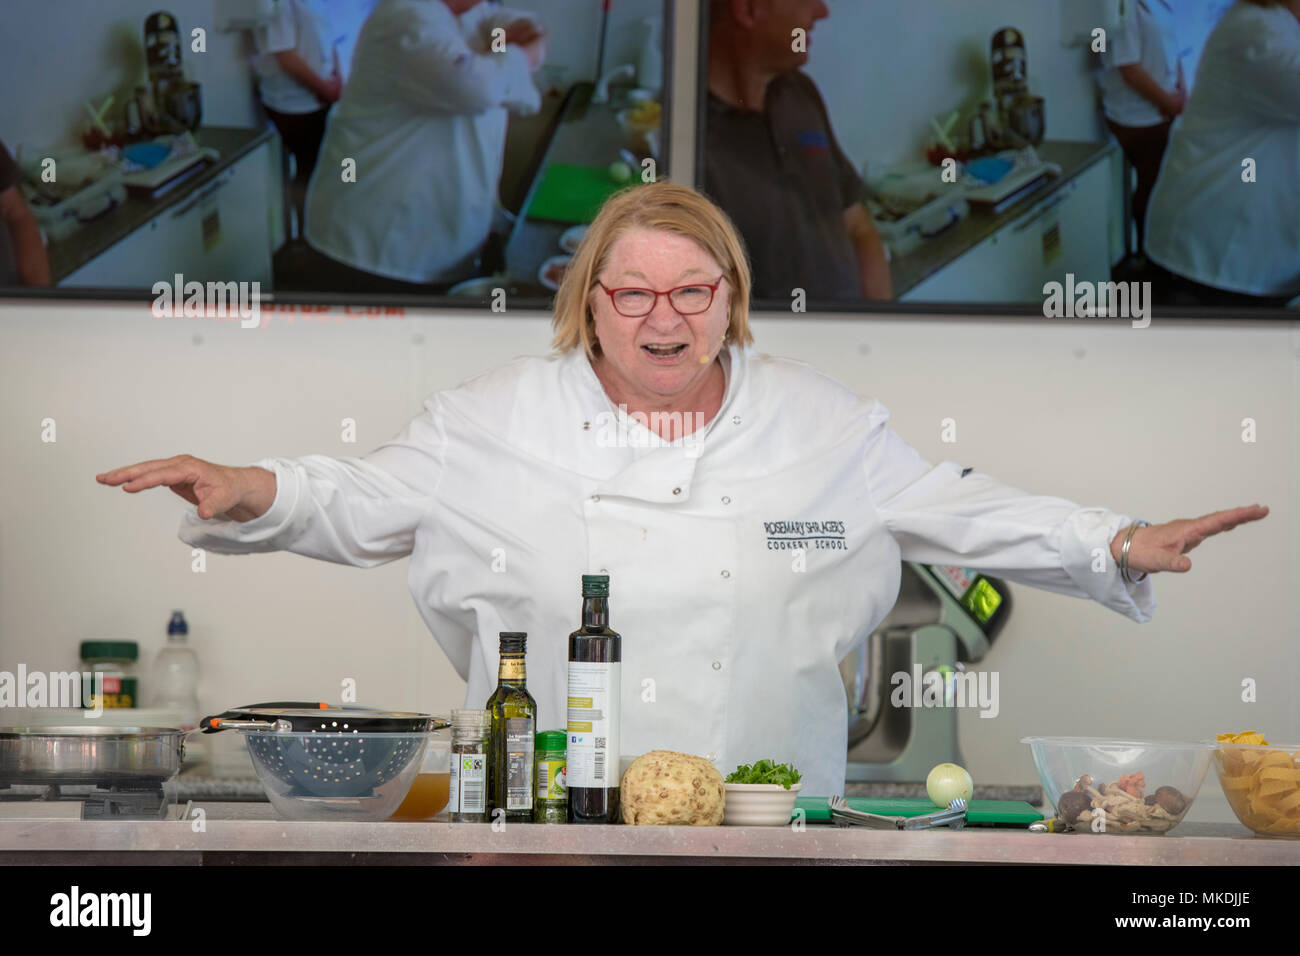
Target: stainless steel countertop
[(251, 834)]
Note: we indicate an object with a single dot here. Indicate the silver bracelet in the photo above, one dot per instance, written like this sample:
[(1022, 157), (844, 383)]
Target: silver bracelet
[(1123, 555)]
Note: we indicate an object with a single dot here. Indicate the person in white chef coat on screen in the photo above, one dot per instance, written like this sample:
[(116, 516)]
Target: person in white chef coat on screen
[(423, 118), (299, 78), (1224, 218), (1142, 90), (656, 445)]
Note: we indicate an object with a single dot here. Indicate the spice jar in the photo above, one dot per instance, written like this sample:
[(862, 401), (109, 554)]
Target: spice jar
[(467, 798), (551, 802), (115, 660)]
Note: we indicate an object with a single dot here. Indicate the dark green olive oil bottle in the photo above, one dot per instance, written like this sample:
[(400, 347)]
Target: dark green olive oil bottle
[(595, 660), (510, 742)]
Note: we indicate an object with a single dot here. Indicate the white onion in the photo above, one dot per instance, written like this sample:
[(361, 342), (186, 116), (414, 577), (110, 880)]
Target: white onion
[(947, 782)]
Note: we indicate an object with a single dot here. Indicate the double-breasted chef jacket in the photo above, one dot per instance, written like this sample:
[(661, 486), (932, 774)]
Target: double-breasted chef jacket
[(745, 562)]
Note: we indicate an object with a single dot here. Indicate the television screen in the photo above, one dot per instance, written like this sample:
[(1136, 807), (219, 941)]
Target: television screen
[(1069, 158), (324, 150)]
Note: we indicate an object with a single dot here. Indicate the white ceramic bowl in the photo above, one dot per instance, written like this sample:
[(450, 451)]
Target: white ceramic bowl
[(758, 804)]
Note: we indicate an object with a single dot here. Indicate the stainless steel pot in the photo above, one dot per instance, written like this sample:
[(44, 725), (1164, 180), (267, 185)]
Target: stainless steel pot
[(94, 756)]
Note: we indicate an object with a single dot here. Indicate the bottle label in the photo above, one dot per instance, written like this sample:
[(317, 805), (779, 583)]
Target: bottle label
[(512, 670), (520, 734), (593, 724), (468, 783), (551, 780)]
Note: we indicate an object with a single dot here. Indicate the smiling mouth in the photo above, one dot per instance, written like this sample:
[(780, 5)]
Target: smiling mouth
[(664, 351)]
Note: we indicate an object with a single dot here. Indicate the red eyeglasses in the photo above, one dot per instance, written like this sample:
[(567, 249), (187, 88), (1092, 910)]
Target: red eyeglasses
[(685, 299)]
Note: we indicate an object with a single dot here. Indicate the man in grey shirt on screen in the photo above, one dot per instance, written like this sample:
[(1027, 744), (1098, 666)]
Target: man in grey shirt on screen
[(772, 162)]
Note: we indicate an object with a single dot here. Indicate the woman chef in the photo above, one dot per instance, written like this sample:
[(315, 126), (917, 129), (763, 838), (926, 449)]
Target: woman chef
[(509, 487)]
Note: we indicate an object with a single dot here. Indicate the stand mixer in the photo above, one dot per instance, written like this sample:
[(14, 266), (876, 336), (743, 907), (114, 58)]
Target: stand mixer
[(170, 103), (944, 617)]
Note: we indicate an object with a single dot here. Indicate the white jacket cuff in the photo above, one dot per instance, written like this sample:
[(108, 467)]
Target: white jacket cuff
[(1095, 571), (521, 93), (225, 536)]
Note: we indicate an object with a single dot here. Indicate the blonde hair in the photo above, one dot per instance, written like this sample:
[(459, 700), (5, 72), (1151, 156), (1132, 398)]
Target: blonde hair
[(664, 206)]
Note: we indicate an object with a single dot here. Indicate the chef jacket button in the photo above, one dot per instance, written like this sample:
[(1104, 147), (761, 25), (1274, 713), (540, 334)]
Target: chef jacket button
[(735, 419), (595, 497), (711, 756), (677, 491), (604, 570), (717, 665), (586, 426), (726, 500), (726, 573)]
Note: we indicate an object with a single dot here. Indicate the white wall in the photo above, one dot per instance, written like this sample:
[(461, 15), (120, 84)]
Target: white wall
[(885, 69), (67, 52)]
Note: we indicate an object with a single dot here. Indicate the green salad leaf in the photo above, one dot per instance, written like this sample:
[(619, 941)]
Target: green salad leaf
[(765, 771)]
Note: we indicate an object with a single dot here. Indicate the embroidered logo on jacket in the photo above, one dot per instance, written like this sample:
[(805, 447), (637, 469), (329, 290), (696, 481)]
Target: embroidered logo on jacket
[(804, 535)]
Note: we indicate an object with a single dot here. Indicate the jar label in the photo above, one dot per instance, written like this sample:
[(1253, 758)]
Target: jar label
[(468, 783), (551, 779), (118, 692)]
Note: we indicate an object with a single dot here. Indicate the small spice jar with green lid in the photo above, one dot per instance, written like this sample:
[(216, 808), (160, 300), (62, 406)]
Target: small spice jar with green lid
[(552, 800), (115, 661)]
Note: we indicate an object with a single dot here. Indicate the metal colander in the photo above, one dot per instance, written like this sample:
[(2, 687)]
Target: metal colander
[(333, 764), (312, 750)]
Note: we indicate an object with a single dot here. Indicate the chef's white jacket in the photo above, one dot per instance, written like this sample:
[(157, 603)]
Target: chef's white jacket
[(303, 27), (1204, 222), (510, 487), (423, 116), (1144, 37)]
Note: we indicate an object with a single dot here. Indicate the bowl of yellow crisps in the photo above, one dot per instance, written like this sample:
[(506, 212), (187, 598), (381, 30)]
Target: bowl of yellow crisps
[(1261, 782)]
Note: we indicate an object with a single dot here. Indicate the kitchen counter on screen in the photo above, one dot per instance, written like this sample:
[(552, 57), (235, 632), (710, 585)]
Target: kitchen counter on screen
[(251, 834), (94, 237), (933, 254)]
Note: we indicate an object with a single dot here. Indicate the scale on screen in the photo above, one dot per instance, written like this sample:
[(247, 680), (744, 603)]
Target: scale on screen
[(906, 682)]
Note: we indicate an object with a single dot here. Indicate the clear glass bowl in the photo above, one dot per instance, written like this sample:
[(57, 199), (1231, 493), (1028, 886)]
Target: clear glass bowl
[(335, 776), (1262, 784), (1115, 799), (432, 787)]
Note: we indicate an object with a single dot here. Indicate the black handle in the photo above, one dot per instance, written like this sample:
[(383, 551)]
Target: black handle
[(205, 724)]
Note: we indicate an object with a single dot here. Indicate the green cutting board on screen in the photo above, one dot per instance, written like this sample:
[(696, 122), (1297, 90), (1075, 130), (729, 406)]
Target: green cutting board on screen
[(1005, 812), (572, 193)]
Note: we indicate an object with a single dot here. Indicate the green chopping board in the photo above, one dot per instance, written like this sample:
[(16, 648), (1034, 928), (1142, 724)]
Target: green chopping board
[(572, 193), (1009, 812)]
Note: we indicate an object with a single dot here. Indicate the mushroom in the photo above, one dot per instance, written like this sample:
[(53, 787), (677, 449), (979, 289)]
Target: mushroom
[(1171, 800), (1071, 804)]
